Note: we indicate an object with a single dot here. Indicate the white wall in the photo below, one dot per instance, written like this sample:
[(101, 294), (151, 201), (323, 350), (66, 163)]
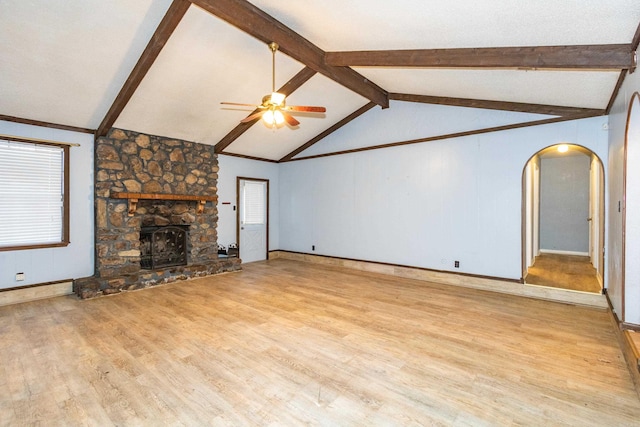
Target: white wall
[(632, 224), (232, 167), (615, 175), (77, 259), (424, 205)]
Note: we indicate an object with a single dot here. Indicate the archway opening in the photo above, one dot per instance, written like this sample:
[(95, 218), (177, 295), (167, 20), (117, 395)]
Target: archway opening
[(563, 219)]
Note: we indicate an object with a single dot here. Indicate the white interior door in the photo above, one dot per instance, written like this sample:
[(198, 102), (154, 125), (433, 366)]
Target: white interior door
[(253, 220)]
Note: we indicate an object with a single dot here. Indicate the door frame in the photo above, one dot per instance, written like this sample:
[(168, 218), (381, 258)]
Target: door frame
[(238, 200)]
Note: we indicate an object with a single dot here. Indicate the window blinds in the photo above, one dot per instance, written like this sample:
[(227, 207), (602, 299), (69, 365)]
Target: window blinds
[(254, 202), (31, 194)]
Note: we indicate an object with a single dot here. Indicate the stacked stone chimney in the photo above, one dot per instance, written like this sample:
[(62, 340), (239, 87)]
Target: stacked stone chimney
[(135, 163)]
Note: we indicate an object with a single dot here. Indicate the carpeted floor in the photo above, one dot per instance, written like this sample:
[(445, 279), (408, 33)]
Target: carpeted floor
[(564, 271)]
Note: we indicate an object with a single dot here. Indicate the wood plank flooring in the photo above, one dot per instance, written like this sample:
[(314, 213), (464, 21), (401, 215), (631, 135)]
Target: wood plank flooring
[(564, 271), (286, 343)]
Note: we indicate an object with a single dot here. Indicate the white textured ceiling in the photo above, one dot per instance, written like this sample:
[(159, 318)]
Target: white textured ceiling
[(64, 62), (589, 89), (336, 25)]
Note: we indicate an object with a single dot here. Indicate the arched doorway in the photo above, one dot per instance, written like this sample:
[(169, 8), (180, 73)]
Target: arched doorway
[(563, 219)]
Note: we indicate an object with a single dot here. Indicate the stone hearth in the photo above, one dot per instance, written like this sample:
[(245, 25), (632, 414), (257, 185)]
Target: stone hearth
[(147, 169)]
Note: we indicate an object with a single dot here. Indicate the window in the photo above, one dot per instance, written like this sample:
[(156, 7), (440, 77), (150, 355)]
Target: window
[(254, 202), (34, 196)]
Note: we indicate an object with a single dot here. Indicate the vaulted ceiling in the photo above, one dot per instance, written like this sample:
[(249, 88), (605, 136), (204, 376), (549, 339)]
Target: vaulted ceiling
[(382, 69)]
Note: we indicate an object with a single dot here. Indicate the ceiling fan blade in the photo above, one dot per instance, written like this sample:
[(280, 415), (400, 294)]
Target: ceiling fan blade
[(305, 108), (252, 117), (243, 105), (291, 121)]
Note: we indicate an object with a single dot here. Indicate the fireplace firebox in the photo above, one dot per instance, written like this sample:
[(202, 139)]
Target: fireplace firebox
[(164, 246)]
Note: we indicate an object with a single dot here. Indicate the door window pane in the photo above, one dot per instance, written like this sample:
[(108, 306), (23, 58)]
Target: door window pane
[(254, 202)]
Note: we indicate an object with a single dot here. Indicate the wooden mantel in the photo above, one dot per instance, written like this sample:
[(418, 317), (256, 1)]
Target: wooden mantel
[(134, 197)]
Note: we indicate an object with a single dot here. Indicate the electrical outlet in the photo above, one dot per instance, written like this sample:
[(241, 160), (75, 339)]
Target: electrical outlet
[(456, 264), (19, 277), (313, 247)]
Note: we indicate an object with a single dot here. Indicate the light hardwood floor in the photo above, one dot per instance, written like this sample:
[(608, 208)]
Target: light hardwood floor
[(571, 272), (291, 343)]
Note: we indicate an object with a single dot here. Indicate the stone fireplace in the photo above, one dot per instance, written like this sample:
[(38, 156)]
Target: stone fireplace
[(144, 181)]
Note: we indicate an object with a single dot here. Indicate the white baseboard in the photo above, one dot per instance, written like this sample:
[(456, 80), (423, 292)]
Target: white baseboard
[(32, 293), (556, 252)]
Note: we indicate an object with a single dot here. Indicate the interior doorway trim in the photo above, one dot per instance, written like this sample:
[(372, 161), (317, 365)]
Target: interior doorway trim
[(239, 179)]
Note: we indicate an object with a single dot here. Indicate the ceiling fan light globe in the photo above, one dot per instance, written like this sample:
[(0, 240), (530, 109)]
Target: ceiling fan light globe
[(273, 118), (278, 117)]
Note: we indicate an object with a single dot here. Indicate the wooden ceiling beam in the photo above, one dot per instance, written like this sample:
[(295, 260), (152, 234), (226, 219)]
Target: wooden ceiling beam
[(616, 90), (329, 131), (595, 57), (520, 107), (636, 39), (168, 24), (287, 89), (255, 22), (634, 47)]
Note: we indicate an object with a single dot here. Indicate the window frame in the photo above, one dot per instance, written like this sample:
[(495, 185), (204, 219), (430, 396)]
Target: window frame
[(65, 196)]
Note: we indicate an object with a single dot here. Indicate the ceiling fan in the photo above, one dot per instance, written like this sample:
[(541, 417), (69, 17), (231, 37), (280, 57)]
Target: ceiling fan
[(273, 109)]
